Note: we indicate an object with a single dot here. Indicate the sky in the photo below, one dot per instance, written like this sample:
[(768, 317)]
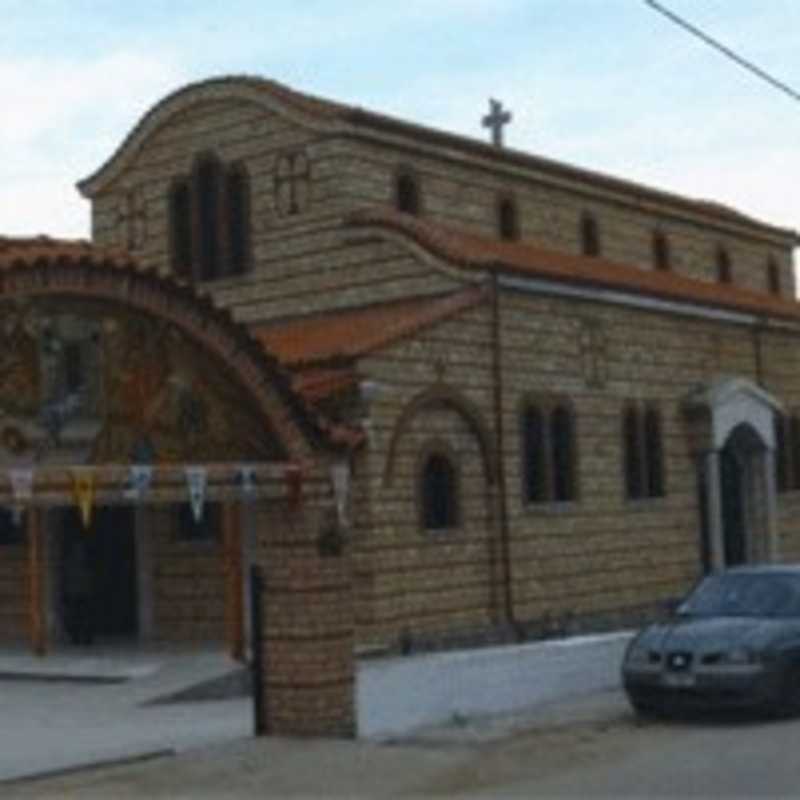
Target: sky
[(610, 85)]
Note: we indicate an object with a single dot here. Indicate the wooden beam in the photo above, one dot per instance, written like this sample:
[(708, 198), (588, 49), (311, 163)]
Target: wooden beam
[(37, 617), (234, 609)]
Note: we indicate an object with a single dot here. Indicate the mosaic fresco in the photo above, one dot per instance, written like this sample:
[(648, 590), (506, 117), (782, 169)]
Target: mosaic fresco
[(109, 386)]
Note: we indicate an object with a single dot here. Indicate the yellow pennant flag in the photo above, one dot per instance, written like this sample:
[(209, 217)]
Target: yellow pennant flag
[(83, 489)]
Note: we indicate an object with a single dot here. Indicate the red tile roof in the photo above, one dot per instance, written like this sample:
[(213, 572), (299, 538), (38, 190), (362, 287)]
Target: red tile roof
[(473, 252), (355, 332)]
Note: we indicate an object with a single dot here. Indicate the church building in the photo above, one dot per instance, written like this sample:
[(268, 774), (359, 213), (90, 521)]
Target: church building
[(530, 398)]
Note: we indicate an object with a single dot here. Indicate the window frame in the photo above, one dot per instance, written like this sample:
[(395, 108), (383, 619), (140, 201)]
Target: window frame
[(407, 177), (440, 450), (590, 235)]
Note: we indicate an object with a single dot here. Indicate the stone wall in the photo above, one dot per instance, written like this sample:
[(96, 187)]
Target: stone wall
[(188, 582)]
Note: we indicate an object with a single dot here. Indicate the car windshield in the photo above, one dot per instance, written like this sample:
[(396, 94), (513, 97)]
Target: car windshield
[(744, 595)]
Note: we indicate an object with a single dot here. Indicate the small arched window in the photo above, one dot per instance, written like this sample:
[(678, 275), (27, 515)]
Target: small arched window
[(407, 193), (507, 219), (661, 254), (439, 493), (654, 457), (237, 209), (180, 227), (207, 180), (590, 236), (634, 485), (534, 456), (562, 441), (724, 274), (781, 454), (773, 277), (794, 456)]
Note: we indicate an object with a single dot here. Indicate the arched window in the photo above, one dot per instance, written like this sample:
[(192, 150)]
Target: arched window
[(590, 236), (534, 465), (781, 454), (180, 227), (773, 277), (794, 456), (439, 493), (661, 255), (237, 210), (407, 193), (654, 457), (207, 192), (562, 441), (209, 220), (644, 452), (634, 485), (507, 219), (723, 266)]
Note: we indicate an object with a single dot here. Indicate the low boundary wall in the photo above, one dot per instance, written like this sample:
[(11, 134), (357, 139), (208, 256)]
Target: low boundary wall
[(396, 695)]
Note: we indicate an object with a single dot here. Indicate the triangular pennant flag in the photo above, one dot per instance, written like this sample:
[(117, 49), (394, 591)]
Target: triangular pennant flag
[(83, 489), (139, 482), (246, 478), (196, 480), (21, 486)]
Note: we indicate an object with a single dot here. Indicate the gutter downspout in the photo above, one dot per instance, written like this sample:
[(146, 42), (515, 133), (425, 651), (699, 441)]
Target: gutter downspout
[(505, 539)]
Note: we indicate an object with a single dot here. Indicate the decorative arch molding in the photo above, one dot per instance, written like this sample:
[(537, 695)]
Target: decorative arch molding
[(448, 396), (314, 115), (43, 268)]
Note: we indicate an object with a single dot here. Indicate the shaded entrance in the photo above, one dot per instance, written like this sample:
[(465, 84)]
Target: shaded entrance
[(732, 488), (111, 554)]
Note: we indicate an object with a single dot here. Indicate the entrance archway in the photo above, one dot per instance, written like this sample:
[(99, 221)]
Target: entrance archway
[(732, 423)]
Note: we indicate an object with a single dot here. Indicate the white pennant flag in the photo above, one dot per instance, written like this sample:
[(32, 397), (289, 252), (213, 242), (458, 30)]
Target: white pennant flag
[(21, 485), (196, 479), (22, 490), (246, 478), (139, 482)]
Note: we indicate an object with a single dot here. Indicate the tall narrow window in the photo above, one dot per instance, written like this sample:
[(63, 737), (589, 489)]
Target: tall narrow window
[(781, 454), (773, 277), (590, 236), (209, 221), (654, 457), (634, 484), (794, 456), (439, 498), (180, 226), (407, 193), (534, 456), (723, 266), (237, 210), (562, 441), (661, 255), (207, 191), (507, 219)]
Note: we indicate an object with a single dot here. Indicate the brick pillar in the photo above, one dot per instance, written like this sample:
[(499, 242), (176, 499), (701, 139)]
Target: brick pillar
[(308, 627)]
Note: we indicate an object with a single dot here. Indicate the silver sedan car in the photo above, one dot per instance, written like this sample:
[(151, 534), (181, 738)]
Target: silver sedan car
[(734, 642)]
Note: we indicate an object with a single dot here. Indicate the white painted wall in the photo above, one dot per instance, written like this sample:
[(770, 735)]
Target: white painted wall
[(397, 695)]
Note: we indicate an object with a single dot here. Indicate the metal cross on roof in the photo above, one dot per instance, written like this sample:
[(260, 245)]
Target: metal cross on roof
[(495, 120)]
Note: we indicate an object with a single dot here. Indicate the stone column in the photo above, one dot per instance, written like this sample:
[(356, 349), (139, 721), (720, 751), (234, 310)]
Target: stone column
[(713, 493), (771, 507), (308, 623)]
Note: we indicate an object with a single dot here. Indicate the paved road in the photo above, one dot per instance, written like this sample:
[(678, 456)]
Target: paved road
[(592, 747), (47, 726)]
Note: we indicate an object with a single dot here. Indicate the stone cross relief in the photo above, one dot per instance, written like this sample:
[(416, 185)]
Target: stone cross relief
[(496, 120), (292, 177), (132, 220), (593, 348)]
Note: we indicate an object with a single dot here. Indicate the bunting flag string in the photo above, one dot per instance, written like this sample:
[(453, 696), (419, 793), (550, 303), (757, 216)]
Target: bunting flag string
[(138, 483), (83, 489), (196, 478)]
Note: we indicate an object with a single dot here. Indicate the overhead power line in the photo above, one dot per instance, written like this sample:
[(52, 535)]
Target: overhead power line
[(726, 51)]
